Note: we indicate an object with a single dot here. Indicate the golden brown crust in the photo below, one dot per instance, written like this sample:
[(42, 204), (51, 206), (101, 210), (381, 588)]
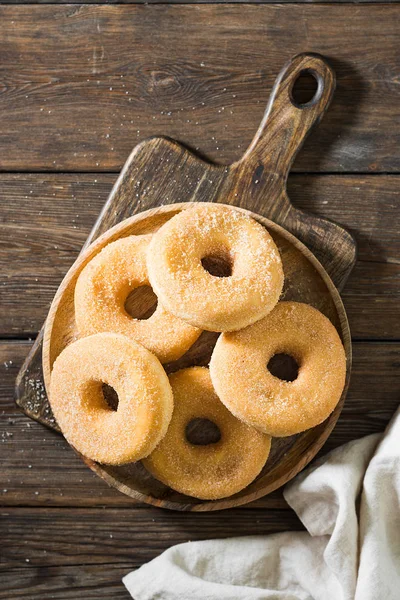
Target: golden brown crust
[(88, 423), (214, 470), (241, 379), (185, 287), (102, 289)]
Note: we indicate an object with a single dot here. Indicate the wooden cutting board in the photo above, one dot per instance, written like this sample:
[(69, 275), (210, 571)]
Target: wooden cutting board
[(161, 172)]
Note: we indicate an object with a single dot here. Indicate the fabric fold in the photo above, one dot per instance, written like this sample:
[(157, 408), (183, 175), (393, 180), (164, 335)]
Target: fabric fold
[(349, 502)]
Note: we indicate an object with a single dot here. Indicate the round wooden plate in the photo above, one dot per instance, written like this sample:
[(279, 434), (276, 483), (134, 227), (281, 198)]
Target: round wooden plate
[(305, 281)]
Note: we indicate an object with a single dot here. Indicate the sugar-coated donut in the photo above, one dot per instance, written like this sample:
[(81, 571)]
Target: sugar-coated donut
[(189, 291), (280, 408), (145, 399), (206, 471), (102, 289)]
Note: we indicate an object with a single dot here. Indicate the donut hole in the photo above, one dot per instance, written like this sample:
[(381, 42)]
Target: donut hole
[(283, 366), (141, 303), (202, 432), (218, 264), (110, 396)]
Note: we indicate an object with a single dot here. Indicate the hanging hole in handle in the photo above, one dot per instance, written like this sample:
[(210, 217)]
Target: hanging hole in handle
[(306, 89)]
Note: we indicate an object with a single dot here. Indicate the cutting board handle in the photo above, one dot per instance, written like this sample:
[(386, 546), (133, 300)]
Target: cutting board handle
[(258, 180), (286, 123)]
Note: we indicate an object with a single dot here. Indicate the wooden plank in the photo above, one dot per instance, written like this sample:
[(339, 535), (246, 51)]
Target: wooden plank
[(82, 83), (91, 582), (192, 1), (65, 552), (369, 207), (124, 538), (39, 469), (46, 218)]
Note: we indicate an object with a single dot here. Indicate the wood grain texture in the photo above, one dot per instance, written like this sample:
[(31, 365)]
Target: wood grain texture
[(109, 2), (91, 582), (74, 99), (88, 537), (48, 218), (36, 252), (70, 553), (39, 468)]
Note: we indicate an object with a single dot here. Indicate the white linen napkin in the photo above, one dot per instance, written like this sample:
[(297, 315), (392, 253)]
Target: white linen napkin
[(350, 551)]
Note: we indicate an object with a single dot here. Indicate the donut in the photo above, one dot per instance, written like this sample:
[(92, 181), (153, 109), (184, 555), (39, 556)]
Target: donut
[(145, 399), (240, 376), (209, 471), (213, 232), (102, 289)]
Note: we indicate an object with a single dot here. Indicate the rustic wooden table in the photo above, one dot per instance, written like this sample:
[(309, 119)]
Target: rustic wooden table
[(79, 86)]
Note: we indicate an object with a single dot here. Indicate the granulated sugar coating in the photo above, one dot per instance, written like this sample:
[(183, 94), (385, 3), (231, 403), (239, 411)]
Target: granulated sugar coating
[(211, 471), (102, 289), (242, 381), (189, 291), (88, 423)]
